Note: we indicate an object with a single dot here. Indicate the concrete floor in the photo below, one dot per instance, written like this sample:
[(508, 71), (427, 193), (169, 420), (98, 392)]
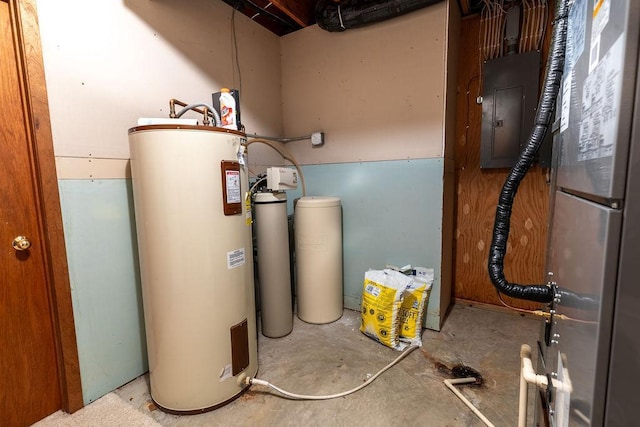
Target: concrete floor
[(326, 359)]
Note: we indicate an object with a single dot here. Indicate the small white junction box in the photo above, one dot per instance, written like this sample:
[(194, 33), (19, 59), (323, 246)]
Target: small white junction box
[(279, 179)]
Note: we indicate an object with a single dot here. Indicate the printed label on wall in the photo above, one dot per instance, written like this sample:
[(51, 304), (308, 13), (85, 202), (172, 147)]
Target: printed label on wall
[(600, 105), (235, 258)]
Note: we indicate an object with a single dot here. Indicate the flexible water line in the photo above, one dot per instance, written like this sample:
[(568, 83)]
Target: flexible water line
[(288, 394), (286, 155), (216, 117), (257, 183)]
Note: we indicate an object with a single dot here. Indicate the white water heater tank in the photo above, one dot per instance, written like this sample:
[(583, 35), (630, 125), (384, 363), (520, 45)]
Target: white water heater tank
[(196, 263)]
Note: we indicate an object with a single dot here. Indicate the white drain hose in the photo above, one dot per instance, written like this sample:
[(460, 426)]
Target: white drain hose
[(257, 381)]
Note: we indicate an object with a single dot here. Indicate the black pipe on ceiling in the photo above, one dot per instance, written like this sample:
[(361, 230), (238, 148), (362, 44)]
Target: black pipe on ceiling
[(348, 14)]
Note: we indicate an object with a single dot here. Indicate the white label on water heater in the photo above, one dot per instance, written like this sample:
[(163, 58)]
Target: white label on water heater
[(235, 258), (233, 186)]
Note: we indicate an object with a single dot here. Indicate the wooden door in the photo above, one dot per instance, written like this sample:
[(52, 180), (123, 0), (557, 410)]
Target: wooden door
[(33, 373)]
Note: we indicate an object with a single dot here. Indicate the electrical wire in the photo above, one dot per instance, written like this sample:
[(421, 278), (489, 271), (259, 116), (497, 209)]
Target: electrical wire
[(271, 15), (255, 184), (525, 5), (544, 25), (258, 13), (467, 124), (296, 396), (492, 23), (285, 154), (234, 52), (526, 19), (283, 140), (519, 310)]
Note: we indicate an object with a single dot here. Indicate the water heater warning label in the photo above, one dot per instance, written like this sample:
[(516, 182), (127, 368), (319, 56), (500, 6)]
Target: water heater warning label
[(233, 186), (231, 193), (235, 258)]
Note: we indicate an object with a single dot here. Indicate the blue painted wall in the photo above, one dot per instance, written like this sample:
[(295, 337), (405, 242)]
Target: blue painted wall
[(391, 214), (99, 229)]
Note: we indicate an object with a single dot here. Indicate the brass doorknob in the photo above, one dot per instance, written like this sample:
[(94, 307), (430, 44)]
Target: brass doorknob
[(21, 243)]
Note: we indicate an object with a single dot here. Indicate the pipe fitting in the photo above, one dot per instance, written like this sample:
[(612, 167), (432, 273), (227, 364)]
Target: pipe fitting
[(243, 380)]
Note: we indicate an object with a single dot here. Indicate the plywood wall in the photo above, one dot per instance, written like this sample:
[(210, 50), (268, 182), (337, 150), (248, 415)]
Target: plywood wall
[(477, 195)]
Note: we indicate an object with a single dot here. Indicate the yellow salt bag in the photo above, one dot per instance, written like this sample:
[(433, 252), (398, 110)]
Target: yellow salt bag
[(381, 300), (413, 307)]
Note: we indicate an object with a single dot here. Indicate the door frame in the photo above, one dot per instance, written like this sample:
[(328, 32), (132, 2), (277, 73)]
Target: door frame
[(24, 20)]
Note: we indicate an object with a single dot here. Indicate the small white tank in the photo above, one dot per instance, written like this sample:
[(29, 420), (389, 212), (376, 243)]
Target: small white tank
[(318, 243), (196, 263)]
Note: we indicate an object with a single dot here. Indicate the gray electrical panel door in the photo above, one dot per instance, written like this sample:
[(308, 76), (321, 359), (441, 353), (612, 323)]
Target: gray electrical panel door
[(509, 102)]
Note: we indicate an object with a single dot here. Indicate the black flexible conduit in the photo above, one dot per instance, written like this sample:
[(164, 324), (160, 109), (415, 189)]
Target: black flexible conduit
[(546, 105), (332, 16)]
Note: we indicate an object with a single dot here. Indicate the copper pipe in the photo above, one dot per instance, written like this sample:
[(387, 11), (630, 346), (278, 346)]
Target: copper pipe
[(182, 104), (205, 120), (172, 113)]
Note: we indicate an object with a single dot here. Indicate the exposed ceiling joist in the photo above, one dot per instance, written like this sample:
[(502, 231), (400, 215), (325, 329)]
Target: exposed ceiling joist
[(286, 16), (300, 11)]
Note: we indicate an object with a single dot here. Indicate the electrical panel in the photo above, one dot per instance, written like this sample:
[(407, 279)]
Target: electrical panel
[(509, 100)]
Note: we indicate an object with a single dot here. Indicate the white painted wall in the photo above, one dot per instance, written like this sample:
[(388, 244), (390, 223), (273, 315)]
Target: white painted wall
[(108, 63), (382, 93), (378, 91)]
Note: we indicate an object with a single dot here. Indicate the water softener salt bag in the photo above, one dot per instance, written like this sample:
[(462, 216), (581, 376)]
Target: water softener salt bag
[(381, 300), (413, 307)]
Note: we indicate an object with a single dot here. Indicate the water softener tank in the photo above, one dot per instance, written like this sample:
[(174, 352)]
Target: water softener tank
[(274, 272), (318, 242), (196, 263)]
